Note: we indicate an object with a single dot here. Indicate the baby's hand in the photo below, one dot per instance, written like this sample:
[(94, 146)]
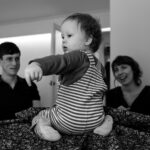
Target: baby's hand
[(33, 72)]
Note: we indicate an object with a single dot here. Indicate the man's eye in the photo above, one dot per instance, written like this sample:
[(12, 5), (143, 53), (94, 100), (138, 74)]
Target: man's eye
[(69, 35), (9, 59), (17, 59)]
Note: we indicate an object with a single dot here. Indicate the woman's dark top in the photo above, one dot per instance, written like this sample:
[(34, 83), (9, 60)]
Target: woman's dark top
[(115, 98)]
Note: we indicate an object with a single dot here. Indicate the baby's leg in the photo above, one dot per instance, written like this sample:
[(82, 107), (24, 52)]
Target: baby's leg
[(45, 131), (43, 126), (106, 127), (42, 114)]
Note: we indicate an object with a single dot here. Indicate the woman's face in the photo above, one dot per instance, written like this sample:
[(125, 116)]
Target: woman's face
[(123, 74)]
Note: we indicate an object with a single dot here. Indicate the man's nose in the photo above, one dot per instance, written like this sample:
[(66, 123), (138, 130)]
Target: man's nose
[(14, 61)]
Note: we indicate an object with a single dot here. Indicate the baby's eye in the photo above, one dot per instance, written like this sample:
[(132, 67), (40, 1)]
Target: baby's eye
[(62, 37), (69, 35)]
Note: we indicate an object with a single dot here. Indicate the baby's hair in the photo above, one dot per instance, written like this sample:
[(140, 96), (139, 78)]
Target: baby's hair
[(127, 60), (8, 48), (90, 26)]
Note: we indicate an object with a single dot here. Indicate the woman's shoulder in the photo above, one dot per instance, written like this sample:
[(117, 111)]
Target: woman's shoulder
[(146, 88), (113, 97), (115, 89), (114, 92), (145, 92)]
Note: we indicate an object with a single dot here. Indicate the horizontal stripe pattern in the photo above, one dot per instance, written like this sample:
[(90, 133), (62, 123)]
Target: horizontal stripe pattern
[(79, 106)]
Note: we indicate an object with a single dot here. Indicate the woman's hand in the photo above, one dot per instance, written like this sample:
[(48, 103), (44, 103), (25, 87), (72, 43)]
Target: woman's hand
[(123, 108)]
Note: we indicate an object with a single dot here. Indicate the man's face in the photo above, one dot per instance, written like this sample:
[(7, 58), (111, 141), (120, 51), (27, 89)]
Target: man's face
[(10, 64)]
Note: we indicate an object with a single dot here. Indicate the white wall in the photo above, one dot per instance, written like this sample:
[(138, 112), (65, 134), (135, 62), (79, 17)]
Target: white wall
[(43, 25), (130, 32)]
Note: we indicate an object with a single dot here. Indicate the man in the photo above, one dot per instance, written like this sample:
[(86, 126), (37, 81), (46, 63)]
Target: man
[(15, 94)]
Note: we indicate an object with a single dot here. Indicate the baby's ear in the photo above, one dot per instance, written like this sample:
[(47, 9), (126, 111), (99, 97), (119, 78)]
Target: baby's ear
[(89, 41)]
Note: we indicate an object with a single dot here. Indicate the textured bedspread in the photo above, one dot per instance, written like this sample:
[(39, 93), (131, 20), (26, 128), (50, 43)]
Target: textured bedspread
[(131, 131)]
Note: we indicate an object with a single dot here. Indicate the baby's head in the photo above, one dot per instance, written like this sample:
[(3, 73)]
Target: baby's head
[(81, 31)]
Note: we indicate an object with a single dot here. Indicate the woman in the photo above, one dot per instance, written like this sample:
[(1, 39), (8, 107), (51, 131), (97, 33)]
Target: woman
[(132, 94)]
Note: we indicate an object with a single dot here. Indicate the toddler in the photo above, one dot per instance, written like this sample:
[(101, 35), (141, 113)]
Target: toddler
[(79, 106)]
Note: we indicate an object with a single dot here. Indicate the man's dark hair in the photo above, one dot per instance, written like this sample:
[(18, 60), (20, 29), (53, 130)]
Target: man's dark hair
[(8, 48)]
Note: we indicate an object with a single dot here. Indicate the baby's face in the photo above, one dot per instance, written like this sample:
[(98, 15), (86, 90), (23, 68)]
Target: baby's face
[(72, 36)]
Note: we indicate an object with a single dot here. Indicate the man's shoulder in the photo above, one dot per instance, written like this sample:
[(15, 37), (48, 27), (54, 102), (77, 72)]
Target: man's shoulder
[(22, 81)]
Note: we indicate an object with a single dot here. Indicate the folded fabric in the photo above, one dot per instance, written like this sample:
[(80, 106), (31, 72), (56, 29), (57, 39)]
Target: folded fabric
[(129, 119), (29, 113)]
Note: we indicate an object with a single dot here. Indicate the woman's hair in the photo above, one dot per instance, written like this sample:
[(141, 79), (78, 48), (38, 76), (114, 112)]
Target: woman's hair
[(90, 26), (137, 73), (7, 48)]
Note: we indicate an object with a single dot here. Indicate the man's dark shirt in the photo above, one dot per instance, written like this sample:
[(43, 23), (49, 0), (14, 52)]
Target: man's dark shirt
[(17, 99)]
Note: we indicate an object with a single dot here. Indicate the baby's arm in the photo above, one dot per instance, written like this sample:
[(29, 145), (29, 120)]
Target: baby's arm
[(33, 72), (54, 64)]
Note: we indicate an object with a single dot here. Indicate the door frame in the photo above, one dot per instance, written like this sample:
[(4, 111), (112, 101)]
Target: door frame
[(55, 27)]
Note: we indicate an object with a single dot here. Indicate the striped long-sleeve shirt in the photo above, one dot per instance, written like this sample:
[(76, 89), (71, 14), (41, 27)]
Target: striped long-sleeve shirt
[(79, 107)]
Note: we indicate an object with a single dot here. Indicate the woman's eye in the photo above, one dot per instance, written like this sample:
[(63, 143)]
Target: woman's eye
[(115, 69), (123, 67)]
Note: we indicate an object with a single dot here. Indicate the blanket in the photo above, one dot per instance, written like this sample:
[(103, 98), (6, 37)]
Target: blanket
[(131, 131)]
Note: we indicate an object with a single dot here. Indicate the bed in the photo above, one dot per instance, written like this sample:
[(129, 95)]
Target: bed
[(131, 131)]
